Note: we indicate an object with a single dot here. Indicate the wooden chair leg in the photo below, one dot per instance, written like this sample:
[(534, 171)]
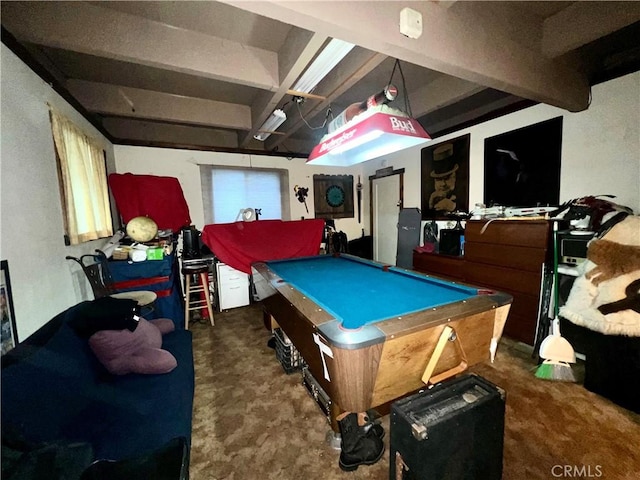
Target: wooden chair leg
[(204, 280), (187, 290)]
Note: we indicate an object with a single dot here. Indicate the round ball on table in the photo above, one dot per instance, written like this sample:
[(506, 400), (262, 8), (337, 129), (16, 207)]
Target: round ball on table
[(142, 229)]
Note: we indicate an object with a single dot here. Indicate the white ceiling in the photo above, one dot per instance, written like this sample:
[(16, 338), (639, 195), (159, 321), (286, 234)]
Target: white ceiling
[(206, 74)]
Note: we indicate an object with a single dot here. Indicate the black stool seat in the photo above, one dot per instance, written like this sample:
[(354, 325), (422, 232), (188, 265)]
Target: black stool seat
[(195, 269)]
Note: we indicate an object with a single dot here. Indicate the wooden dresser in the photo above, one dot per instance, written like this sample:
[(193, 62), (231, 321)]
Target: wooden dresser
[(508, 256)]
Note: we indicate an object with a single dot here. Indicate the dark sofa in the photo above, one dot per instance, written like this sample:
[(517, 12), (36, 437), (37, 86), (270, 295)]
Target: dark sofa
[(55, 392)]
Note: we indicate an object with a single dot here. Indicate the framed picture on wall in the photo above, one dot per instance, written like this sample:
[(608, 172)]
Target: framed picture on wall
[(445, 178), (9, 335), (522, 167)]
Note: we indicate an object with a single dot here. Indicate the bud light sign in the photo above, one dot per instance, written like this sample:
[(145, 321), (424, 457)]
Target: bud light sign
[(380, 129), (405, 126)]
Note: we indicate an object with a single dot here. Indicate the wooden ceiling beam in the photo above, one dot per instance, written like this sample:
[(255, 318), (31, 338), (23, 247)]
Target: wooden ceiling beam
[(146, 104), (87, 28), (589, 21), (457, 44), (297, 52), (130, 129), (360, 63), (443, 91)]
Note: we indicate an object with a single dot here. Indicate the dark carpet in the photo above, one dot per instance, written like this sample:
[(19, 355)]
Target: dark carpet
[(253, 421)]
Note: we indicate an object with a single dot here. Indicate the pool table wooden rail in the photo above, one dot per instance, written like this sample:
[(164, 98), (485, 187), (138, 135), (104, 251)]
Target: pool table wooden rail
[(267, 283), (393, 359)]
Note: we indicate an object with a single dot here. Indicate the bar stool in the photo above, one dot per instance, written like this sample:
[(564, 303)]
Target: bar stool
[(201, 288)]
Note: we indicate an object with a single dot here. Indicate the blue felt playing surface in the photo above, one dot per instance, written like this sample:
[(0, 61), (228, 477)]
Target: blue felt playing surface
[(358, 293)]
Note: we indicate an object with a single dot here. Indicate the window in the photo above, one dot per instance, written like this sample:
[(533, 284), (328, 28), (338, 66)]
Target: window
[(227, 191), (84, 192)]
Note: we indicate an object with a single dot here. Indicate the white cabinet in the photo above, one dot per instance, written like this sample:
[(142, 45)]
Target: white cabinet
[(233, 287)]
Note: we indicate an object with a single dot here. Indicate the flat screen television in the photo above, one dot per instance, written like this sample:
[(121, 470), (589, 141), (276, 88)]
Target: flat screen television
[(522, 167)]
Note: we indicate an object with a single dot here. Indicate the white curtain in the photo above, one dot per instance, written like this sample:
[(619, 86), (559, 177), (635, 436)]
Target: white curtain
[(226, 191), (83, 178)]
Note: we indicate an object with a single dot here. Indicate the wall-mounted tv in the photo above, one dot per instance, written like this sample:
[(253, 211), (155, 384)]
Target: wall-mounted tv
[(522, 167)]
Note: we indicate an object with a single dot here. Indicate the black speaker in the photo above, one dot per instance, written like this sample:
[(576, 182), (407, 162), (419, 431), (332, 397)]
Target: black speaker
[(454, 430), (450, 241), (191, 243)]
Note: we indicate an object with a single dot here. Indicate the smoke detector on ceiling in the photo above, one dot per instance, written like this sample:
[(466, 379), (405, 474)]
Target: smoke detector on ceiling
[(410, 23)]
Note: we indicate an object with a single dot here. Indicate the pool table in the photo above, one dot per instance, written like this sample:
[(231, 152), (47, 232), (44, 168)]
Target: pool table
[(371, 333)]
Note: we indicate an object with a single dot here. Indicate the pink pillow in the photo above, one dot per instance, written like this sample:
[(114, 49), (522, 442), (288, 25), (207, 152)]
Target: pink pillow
[(165, 325), (123, 351)]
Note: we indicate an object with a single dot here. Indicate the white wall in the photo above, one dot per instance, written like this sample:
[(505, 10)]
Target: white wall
[(600, 147), (184, 165), (31, 225), (600, 154)]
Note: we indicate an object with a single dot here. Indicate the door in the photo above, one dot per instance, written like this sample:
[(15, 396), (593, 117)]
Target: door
[(386, 204)]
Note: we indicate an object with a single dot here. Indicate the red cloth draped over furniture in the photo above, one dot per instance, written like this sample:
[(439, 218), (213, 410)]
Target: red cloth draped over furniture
[(159, 198), (240, 244)]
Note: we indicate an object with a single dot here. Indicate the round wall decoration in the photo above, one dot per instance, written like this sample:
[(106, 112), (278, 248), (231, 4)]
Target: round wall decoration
[(335, 196)]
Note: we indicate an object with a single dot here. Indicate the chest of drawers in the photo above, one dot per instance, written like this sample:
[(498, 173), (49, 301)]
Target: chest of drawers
[(507, 255)]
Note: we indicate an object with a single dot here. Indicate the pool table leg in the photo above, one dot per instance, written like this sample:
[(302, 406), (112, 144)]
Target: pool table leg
[(268, 321), (333, 437)]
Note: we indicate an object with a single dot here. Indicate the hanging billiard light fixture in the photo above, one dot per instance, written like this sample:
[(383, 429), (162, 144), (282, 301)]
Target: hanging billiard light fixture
[(377, 130)]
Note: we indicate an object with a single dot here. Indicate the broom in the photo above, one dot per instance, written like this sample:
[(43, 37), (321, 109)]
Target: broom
[(556, 350)]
